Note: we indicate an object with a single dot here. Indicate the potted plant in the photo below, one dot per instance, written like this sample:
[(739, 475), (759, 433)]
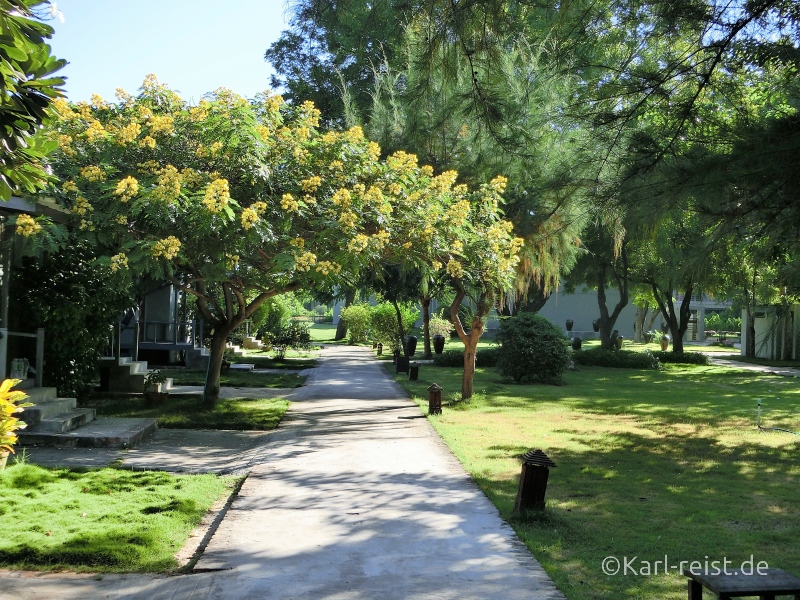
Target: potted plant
[(440, 330), (10, 405), (153, 388)]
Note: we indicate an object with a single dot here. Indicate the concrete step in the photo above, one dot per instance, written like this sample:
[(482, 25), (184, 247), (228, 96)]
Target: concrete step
[(66, 421), (105, 432), (33, 415), (40, 394)]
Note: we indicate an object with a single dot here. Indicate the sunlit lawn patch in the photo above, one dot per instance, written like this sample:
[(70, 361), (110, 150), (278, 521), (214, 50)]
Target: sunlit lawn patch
[(234, 378), (649, 463), (184, 411), (102, 520)]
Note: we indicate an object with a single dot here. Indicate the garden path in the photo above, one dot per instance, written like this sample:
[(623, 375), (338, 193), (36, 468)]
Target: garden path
[(354, 497)]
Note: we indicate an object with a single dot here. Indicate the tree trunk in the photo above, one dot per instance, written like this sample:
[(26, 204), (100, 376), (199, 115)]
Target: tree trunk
[(341, 326), (638, 329), (425, 301), (470, 356), (211, 391), (400, 329)]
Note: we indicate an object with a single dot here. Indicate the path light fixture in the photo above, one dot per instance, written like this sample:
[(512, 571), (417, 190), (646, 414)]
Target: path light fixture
[(380, 348), (434, 399), (533, 481), (413, 371)]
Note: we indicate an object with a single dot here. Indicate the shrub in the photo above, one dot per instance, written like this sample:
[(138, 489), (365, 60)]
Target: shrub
[(295, 335), (618, 359), (487, 357), (272, 316), (532, 348), (440, 326), (688, 358), (358, 319), (384, 322)]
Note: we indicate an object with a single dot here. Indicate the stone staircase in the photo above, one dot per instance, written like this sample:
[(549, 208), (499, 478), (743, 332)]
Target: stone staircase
[(252, 343), (54, 421), (125, 375), (197, 358)]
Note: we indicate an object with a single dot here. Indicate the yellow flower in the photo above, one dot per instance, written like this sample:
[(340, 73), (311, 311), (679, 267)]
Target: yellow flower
[(358, 243), (231, 261), (199, 112), (289, 204), (95, 131), (122, 219), (161, 124), (86, 225), (298, 242), (401, 161), (436, 265), (454, 269), (215, 148), (82, 206), (149, 166), (63, 108), (311, 184), (98, 102), (354, 134), (458, 212), (456, 247), (190, 177), (249, 218), (373, 151), (498, 184), (263, 132), (119, 261), (127, 188), (128, 133), (69, 186), (150, 83), (26, 226), (347, 219), (427, 170), (147, 142), (168, 248), (381, 238), (305, 261), (217, 195), (327, 267), (168, 188), (123, 97), (92, 173), (342, 198)]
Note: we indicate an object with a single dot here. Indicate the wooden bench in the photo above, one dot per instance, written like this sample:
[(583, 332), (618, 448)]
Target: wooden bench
[(767, 585)]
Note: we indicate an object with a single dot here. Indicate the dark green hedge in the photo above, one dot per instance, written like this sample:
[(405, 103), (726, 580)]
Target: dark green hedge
[(487, 357), (687, 358), (618, 359)]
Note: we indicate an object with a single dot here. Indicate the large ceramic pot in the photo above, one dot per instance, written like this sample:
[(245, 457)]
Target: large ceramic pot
[(596, 325), (576, 343), (664, 343), (438, 344), (569, 324), (618, 341), (411, 344)]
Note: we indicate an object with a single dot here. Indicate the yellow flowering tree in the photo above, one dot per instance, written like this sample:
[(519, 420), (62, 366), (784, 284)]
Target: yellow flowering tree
[(238, 200)]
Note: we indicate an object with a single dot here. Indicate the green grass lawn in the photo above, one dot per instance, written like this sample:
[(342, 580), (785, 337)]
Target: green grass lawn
[(323, 332), (100, 520), (648, 463), (266, 360), (184, 411), (236, 378)]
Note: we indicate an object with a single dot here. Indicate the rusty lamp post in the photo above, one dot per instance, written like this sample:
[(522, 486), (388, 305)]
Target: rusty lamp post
[(434, 400), (533, 481)]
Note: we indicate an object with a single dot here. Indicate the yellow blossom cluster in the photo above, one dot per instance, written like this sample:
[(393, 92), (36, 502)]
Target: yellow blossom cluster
[(147, 142), (354, 135), (128, 133), (199, 112), (161, 124), (327, 267), (82, 206), (381, 238), (150, 83), (311, 113), (65, 144), (426, 170), (97, 102), (436, 265), (305, 261), (309, 200), (458, 212), (168, 248), (86, 225), (373, 195), (395, 189), (168, 188), (217, 195), (191, 178), (93, 173), (123, 97), (63, 108), (26, 226), (456, 247), (455, 269), (348, 219), (274, 102), (119, 261), (342, 198), (121, 220), (373, 152), (69, 186), (498, 184), (358, 243), (249, 218), (311, 184), (289, 203), (401, 161), (149, 166), (298, 242), (84, 109), (263, 132), (231, 261), (95, 131), (443, 182), (127, 188)]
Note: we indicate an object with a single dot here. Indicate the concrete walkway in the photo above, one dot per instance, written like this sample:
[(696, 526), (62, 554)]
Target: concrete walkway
[(353, 497)]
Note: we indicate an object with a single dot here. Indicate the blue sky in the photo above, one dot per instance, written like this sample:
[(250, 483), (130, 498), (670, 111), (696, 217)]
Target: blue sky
[(194, 46)]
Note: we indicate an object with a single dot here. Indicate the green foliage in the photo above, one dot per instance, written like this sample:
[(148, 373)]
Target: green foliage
[(532, 348), (272, 316), (686, 358), (485, 357), (440, 326), (359, 323), (75, 300), (295, 335), (29, 85), (384, 322), (618, 359), (724, 321), (11, 404)]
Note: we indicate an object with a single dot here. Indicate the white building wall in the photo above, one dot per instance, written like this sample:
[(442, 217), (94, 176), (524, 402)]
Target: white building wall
[(582, 308)]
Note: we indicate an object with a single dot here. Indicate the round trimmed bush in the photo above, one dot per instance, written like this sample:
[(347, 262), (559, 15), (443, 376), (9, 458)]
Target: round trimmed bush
[(532, 349)]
